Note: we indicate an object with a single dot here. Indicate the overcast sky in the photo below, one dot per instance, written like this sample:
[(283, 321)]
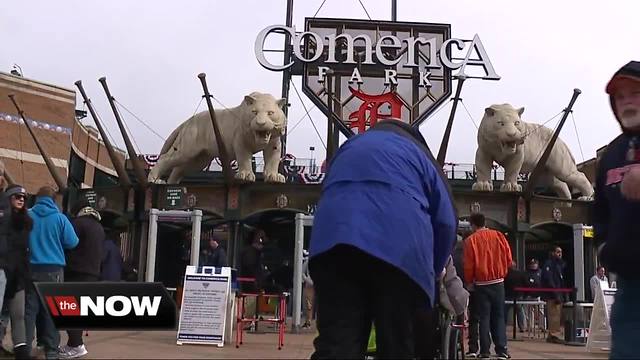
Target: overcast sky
[(152, 51)]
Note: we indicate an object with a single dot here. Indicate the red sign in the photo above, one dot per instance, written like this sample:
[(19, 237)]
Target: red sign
[(369, 112)]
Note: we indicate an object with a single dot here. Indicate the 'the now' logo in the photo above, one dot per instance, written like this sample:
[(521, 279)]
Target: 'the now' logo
[(109, 305), (117, 305)]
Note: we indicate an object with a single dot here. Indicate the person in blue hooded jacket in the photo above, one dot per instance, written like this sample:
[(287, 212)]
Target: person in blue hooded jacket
[(52, 233), (383, 230)]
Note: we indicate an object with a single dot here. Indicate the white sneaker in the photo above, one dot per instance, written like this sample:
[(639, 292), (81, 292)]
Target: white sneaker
[(72, 352)]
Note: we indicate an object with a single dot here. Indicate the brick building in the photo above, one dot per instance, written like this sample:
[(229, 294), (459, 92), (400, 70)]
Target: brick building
[(75, 149)]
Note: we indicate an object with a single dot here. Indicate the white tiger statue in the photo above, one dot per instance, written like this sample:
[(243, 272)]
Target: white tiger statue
[(255, 125), (517, 146)]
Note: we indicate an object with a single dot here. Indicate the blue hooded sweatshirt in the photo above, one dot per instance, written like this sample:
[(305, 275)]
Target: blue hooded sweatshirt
[(52, 233), (386, 196)]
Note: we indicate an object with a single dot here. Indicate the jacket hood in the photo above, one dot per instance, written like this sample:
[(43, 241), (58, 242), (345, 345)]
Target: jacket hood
[(629, 71), (45, 206)]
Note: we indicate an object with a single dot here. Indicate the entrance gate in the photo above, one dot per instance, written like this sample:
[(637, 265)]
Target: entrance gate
[(173, 216)]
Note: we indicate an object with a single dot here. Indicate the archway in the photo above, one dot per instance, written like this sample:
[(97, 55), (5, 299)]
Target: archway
[(542, 238), (278, 252)]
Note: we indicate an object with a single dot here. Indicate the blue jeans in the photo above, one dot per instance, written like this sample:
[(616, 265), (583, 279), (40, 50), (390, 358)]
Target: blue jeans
[(625, 320), (37, 316), (490, 307)]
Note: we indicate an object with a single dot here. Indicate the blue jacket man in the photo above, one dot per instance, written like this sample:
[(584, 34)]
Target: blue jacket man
[(52, 233), (383, 230)]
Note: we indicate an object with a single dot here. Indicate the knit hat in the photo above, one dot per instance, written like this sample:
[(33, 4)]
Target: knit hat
[(15, 189)]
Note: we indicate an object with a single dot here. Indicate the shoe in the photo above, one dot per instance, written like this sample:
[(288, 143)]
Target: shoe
[(72, 352), (471, 355), (503, 356), (484, 356), (22, 352), (555, 340), (306, 325)]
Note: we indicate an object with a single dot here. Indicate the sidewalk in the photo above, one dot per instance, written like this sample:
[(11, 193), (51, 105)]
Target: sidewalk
[(162, 345)]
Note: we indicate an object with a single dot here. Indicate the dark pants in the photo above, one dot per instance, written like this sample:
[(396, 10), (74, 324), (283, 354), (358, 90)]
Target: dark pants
[(474, 323), (37, 316), (355, 289), (427, 338), (625, 320), (75, 336), (490, 305)]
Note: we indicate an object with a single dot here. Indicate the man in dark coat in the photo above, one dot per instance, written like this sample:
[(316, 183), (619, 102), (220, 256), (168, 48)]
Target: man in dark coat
[(616, 207), (553, 277), (214, 255), (83, 263)]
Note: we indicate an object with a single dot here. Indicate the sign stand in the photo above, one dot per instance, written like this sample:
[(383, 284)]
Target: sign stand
[(599, 337), (203, 314)]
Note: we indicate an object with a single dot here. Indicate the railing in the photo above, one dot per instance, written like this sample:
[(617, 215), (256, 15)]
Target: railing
[(291, 165)]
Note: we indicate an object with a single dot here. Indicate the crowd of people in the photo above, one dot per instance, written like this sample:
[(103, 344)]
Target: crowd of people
[(386, 225), (41, 244)]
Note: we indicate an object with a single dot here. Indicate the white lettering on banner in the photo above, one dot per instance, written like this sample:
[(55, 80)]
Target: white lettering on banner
[(356, 77), (382, 51), (424, 79), (119, 305), (322, 73), (390, 77)]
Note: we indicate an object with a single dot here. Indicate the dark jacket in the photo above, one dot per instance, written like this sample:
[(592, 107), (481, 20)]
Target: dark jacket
[(5, 227), (251, 267), (515, 279), (217, 257), (86, 258), (535, 278), (111, 267), (615, 217), (17, 258), (553, 277)]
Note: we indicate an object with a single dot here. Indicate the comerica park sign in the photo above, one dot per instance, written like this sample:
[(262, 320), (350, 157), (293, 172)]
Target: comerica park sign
[(379, 69)]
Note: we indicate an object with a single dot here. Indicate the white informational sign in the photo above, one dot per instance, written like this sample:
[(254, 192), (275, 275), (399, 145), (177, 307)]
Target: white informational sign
[(203, 313), (599, 337)]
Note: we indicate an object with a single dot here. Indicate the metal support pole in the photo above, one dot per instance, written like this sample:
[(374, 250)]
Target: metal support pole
[(222, 149), (394, 10), (286, 74), (152, 241), (123, 177), (331, 128), (62, 186), (537, 171), (133, 156), (297, 271), (442, 153), (196, 220)]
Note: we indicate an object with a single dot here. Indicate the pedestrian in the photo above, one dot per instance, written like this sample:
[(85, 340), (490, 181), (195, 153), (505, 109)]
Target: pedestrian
[(383, 230), (487, 257), (213, 255), (52, 233), (17, 267), (112, 265), (309, 294), (453, 300), (616, 205), (534, 273), (515, 279), (5, 230), (253, 271), (598, 281), (83, 264), (553, 278)]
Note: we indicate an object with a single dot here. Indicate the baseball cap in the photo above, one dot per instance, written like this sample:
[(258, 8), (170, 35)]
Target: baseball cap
[(631, 71)]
